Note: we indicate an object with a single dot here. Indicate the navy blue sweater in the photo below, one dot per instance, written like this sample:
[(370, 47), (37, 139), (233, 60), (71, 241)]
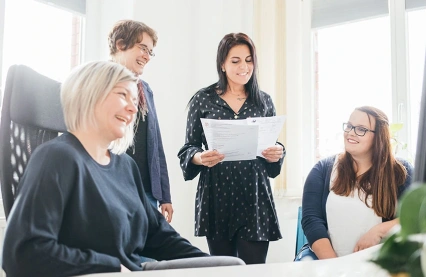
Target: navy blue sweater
[(315, 194), (74, 216)]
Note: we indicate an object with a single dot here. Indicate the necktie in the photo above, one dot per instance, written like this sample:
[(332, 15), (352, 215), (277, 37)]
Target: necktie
[(143, 107)]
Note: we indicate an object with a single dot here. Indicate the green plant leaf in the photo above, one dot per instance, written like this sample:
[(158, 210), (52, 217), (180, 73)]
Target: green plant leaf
[(409, 210), (422, 216), (395, 127), (414, 264), (397, 255)]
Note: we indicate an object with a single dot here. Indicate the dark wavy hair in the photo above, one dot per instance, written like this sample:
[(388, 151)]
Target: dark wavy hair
[(384, 177), (252, 86)]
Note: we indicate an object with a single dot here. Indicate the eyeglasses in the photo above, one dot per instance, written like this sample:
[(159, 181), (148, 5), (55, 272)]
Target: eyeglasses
[(359, 130), (145, 50)]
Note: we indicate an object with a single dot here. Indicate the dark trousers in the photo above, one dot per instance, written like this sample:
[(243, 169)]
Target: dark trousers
[(251, 252)]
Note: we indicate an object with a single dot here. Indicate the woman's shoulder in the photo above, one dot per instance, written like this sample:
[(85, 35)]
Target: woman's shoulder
[(65, 144), (61, 154), (203, 93), (407, 164), (327, 161), (265, 94), (403, 161), (209, 90)]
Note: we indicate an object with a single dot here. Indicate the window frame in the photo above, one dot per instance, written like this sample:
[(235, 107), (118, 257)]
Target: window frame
[(400, 77), (2, 18)]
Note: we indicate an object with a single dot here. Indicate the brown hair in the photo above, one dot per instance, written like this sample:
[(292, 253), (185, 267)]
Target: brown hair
[(381, 181), (127, 33)]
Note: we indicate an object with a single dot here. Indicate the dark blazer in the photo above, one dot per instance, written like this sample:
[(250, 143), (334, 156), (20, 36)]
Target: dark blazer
[(157, 165)]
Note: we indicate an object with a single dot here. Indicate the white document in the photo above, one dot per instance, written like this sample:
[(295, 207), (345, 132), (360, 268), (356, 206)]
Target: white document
[(242, 139), (231, 140), (269, 130)]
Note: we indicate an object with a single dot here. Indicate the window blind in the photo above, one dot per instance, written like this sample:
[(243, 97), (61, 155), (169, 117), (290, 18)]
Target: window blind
[(332, 12), (75, 6)]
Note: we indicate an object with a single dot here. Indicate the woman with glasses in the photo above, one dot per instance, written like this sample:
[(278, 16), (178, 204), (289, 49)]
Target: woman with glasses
[(131, 44), (350, 199), (234, 209)]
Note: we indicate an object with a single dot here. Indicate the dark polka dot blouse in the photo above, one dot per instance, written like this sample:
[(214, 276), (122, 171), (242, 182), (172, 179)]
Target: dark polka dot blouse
[(234, 197)]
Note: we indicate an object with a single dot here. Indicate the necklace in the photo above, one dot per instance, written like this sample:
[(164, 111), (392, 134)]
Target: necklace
[(238, 96)]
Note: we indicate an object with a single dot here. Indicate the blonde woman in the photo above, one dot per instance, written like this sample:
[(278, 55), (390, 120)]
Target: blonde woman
[(81, 207)]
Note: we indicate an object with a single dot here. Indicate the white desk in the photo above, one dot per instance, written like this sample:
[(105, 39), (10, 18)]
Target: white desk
[(348, 266)]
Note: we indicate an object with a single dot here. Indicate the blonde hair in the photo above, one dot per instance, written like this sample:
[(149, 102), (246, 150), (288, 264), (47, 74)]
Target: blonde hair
[(88, 85)]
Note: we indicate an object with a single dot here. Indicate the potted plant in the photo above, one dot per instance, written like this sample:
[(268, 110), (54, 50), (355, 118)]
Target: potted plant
[(404, 253)]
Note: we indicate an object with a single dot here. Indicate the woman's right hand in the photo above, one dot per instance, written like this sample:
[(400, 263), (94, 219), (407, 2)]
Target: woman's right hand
[(323, 249), (208, 158), (124, 269)]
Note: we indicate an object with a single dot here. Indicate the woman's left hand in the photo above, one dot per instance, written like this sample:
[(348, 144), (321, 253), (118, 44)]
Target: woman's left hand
[(371, 238), (375, 235), (273, 154)]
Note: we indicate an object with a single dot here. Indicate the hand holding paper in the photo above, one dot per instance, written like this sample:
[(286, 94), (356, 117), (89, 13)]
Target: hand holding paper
[(245, 139), (208, 158), (273, 154)]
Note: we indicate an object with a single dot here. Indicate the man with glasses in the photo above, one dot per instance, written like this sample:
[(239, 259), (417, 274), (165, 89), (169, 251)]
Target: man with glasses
[(131, 44)]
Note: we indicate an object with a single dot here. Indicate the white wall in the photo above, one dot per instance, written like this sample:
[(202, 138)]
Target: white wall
[(189, 32)]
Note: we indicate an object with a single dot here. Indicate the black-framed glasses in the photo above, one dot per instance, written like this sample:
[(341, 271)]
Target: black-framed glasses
[(145, 49), (359, 130)]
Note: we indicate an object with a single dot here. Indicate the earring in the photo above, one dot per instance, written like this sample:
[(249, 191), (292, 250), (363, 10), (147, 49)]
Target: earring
[(223, 69)]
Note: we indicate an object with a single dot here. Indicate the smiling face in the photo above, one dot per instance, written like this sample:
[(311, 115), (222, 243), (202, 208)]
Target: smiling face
[(117, 111), (238, 65), (360, 146), (137, 57)]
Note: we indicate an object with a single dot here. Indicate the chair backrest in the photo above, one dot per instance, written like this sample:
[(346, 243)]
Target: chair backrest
[(300, 235), (31, 114)]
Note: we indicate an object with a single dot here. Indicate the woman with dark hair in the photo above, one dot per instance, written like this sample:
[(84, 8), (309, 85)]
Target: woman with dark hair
[(235, 209), (350, 199)]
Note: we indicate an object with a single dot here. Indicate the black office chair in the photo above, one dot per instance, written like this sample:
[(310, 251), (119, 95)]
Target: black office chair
[(301, 239), (31, 114)]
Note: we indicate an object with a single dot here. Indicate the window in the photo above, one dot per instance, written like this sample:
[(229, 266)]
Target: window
[(357, 45), (41, 36), (353, 69)]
